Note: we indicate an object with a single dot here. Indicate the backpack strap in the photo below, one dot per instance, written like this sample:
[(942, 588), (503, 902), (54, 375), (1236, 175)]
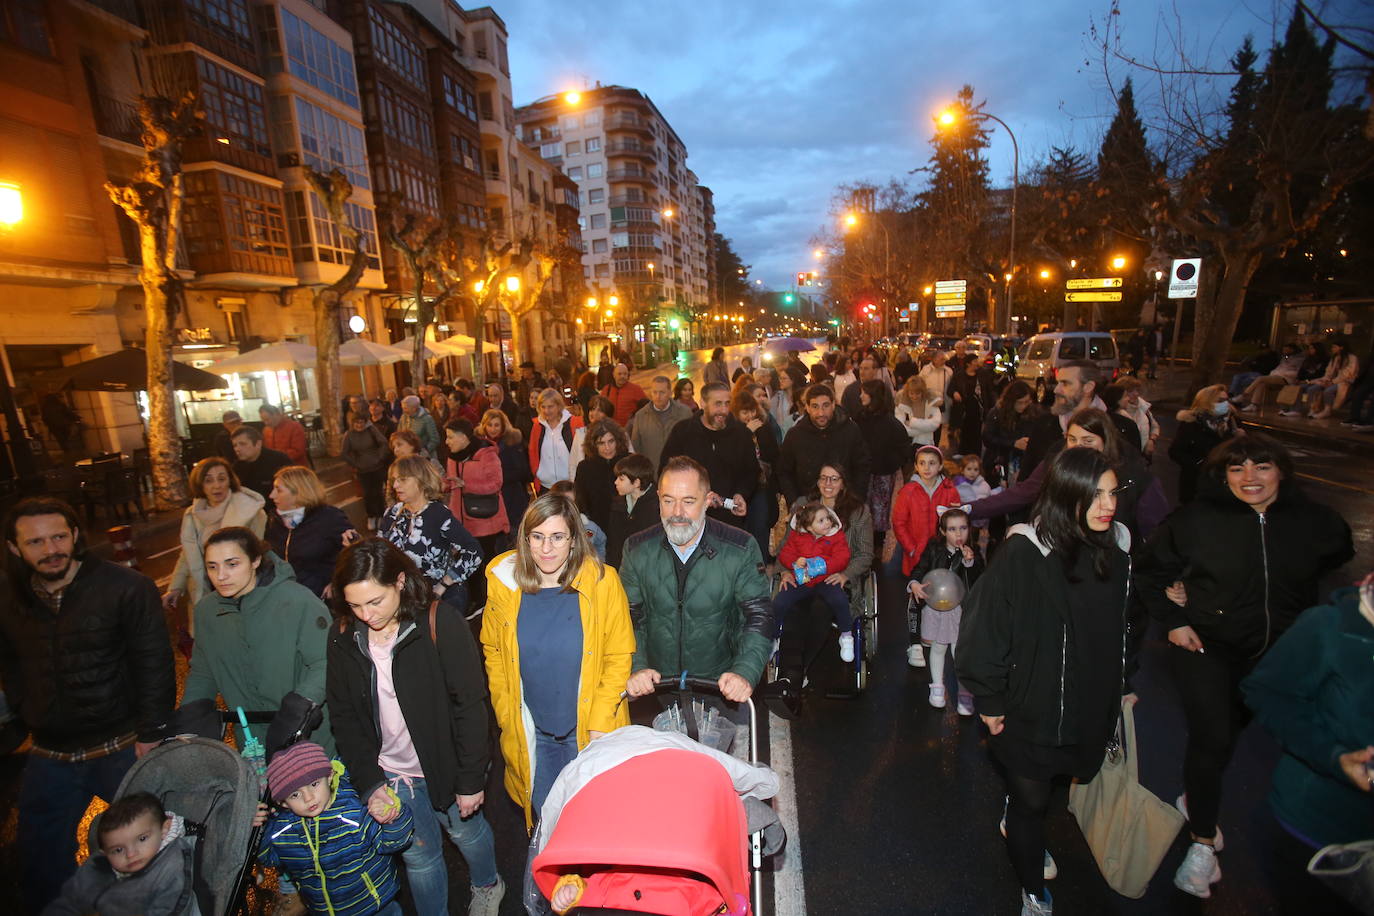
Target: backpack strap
[(433, 621)]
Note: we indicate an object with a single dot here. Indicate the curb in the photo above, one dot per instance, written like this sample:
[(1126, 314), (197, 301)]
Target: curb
[(1318, 437)]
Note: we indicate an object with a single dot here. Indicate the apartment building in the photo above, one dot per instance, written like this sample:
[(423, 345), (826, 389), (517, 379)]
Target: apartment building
[(644, 220)]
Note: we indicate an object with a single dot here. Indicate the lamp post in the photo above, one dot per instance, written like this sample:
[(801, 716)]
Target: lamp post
[(947, 118)]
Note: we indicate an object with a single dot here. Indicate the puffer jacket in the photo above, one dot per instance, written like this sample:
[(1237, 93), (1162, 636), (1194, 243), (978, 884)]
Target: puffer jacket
[(713, 615), (1312, 693), (256, 649), (479, 468), (100, 669), (608, 641), (1247, 575), (312, 546), (915, 517), (341, 859)]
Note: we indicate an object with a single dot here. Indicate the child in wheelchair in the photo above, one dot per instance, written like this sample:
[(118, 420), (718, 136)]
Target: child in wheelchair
[(812, 558)]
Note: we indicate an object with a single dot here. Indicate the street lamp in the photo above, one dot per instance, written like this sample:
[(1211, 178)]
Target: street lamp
[(513, 284), (947, 118), (572, 97), (1044, 274), (11, 204), (667, 212), (1118, 262), (818, 254)]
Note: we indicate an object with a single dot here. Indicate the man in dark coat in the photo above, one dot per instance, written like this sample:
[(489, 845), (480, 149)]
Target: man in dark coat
[(818, 439), (86, 662), (257, 464), (722, 445)]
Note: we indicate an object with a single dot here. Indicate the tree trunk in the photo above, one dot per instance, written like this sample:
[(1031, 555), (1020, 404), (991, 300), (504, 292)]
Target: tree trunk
[(328, 375), (479, 337), (160, 302), (417, 350), (1215, 326), (517, 336)]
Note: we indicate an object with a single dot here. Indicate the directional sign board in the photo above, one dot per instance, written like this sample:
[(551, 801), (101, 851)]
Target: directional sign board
[(949, 286), (1183, 278), (1096, 295), (950, 297), (1098, 283), (949, 311)]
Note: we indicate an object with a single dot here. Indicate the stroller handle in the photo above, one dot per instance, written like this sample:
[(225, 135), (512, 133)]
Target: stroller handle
[(692, 684)]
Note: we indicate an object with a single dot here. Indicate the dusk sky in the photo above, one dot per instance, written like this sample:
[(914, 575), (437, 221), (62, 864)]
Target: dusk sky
[(778, 102)]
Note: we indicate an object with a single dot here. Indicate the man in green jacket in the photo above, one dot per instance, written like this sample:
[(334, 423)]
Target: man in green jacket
[(698, 595)]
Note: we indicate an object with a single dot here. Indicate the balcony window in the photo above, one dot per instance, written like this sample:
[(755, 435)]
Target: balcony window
[(329, 244), (22, 22), (225, 16), (593, 144), (596, 170), (233, 224), (404, 121), (551, 150), (328, 142), (396, 49), (234, 107), (459, 97), (319, 61)]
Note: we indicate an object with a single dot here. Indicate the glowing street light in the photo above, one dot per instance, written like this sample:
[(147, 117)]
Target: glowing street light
[(357, 324), (1118, 262), (947, 117), (929, 290), (818, 254), (513, 284), (613, 301), (478, 286), (572, 97), (591, 302), (1044, 274), (667, 212), (851, 220)]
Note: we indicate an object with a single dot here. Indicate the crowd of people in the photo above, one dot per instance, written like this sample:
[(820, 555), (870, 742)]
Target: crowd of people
[(611, 537)]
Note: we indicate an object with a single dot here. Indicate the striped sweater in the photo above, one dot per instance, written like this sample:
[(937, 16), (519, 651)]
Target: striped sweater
[(340, 860)]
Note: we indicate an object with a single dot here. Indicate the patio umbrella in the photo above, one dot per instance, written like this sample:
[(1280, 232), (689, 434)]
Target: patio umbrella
[(284, 355), (433, 348), (127, 370), (788, 345), (358, 352), (470, 343)]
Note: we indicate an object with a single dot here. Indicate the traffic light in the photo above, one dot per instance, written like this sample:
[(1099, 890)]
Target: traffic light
[(787, 297), (801, 278)]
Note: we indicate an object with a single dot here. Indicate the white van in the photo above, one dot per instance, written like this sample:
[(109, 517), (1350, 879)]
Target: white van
[(1044, 354)]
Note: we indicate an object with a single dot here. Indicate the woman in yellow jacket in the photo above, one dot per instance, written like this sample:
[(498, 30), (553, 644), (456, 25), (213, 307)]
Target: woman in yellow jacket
[(558, 643)]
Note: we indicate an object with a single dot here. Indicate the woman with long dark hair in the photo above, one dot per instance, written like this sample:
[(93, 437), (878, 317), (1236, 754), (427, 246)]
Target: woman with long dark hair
[(594, 481), (684, 392), (970, 396), (408, 708), (558, 643), (1226, 575), (1007, 429), (888, 446), (1044, 650)]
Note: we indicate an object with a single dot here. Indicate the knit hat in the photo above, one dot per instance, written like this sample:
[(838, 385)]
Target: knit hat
[(296, 766)]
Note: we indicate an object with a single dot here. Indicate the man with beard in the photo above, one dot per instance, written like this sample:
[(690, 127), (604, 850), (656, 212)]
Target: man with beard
[(698, 596), (818, 439), (1075, 387), (724, 447), (86, 662)]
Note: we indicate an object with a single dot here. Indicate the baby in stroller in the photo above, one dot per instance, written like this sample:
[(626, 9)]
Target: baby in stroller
[(140, 864)]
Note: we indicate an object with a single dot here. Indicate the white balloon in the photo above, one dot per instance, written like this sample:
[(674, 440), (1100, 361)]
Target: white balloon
[(944, 590)]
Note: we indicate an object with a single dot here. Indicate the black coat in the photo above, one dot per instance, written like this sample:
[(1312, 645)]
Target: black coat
[(312, 546), (515, 479), (1045, 431), (1248, 576), (258, 475), (594, 488), (727, 454), (888, 445), (1193, 441), (625, 523), (807, 448), (1016, 635), (100, 669), (441, 689)]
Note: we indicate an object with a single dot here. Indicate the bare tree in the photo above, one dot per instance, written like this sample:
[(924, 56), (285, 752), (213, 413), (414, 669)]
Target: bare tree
[(333, 191), (429, 252), (153, 200)]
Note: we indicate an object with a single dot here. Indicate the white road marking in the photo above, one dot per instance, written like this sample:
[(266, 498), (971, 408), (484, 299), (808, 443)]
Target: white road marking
[(789, 890), (163, 553)]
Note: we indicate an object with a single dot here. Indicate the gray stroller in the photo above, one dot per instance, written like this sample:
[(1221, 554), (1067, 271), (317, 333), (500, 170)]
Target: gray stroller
[(216, 791)]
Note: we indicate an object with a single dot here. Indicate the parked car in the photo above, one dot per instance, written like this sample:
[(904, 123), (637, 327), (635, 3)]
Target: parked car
[(1044, 354)]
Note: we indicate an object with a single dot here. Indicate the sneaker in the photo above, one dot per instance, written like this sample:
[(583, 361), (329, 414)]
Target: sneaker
[(965, 704), (1290, 413), (1363, 427), (1250, 408), (1199, 871), (486, 901), (289, 905), (1050, 868), (916, 655), (1181, 803), (846, 647), (1321, 414), (937, 696), (1034, 906)]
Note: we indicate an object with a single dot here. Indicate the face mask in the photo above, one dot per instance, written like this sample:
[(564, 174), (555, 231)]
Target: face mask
[(1221, 408)]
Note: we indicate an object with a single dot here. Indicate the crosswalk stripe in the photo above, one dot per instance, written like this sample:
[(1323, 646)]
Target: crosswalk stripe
[(789, 890)]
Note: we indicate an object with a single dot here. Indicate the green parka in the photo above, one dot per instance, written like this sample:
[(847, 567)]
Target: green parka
[(256, 649), (711, 615)]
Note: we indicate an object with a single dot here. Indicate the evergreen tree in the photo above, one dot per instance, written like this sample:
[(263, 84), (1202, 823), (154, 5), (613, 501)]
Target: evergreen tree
[(732, 274), (1126, 173)]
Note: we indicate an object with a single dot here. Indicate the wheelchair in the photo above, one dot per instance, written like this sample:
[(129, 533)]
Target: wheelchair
[(863, 606)]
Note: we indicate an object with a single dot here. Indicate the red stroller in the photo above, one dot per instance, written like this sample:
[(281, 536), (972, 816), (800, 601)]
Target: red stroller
[(663, 833)]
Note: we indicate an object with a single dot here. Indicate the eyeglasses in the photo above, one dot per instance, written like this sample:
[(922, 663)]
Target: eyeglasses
[(830, 478), (539, 539)]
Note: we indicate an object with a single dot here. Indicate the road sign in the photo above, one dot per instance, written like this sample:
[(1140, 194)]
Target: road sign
[(949, 286), (1098, 283), (1096, 295), (949, 311), (1183, 278), (959, 296)]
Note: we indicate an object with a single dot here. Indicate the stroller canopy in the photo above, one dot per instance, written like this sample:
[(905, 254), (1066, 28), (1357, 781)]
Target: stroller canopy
[(661, 833)]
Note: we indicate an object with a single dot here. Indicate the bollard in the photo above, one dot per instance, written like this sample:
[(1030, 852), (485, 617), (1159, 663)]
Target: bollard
[(122, 540)]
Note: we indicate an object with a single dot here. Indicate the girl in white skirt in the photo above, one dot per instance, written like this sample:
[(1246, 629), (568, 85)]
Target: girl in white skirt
[(940, 629)]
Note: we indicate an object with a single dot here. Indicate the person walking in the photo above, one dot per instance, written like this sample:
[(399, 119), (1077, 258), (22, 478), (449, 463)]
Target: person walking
[(306, 531), (475, 480), (821, 438), (919, 413), (1075, 387), (625, 396), (594, 485), (551, 441), (217, 501), (1226, 575), (86, 661), (365, 451), (409, 714), (515, 464), (1046, 651), (1124, 399), (558, 642), (283, 434), (749, 407), (1201, 428), (257, 465), (971, 395), (414, 418), (422, 525), (725, 447), (887, 442), (1006, 431), (655, 420), (716, 369), (635, 507)]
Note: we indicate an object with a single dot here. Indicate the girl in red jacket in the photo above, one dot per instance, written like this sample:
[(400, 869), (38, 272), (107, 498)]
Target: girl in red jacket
[(815, 551), (914, 518)]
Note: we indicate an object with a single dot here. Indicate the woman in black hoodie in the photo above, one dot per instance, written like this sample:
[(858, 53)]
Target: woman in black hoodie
[(1226, 575), (890, 448), (1044, 649)]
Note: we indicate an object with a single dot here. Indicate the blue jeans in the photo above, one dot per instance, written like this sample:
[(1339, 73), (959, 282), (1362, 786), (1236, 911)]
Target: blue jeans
[(52, 797), (551, 755), (1240, 381), (424, 858), (834, 597)]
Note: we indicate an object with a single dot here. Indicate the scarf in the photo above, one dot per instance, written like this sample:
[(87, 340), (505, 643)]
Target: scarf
[(209, 519)]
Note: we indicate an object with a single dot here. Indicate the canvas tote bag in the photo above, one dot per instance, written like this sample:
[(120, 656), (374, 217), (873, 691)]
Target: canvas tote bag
[(1127, 827)]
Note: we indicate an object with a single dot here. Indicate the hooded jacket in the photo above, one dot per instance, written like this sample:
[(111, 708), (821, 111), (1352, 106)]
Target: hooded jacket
[(256, 649), (244, 510), (1015, 640), (1247, 574), (341, 859), (915, 517), (442, 695), (608, 642), (99, 669), (807, 448), (163, 887), (710, 615), (1311, 692)]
